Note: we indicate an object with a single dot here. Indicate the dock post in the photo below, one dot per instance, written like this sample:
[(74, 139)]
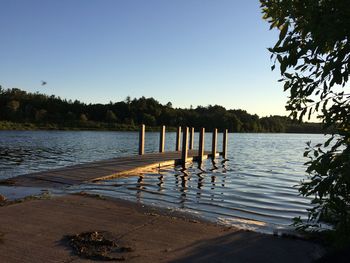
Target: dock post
[(214, 143), (142, 140), (162, 139), (178, 141), (191, 138), (224, 144), (201, 144), (184, 152)]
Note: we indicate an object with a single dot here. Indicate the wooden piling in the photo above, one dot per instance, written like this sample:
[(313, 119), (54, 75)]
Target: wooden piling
[(184, 152), (214, 143), (142, 140), (178, 139), (162, 139), (201, 144), (224, 144), (191, 138)]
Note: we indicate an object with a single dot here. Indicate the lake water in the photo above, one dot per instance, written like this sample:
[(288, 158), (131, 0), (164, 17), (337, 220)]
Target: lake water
[(255, 189)]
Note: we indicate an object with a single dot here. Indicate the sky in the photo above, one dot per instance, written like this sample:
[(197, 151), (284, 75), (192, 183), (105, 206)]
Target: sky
[(188, 52)]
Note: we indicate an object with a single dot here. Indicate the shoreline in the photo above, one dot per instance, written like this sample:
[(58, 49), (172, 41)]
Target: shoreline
[(34, 229), (244, 224), (18, 126)]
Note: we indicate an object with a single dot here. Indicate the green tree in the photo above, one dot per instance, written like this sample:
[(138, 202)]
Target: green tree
[(149, 120), (71, 116), (236, 123), (110, 116), (313, 53), (83, 118), (13, 105), (12, 109), (21, 106), (41, 115)]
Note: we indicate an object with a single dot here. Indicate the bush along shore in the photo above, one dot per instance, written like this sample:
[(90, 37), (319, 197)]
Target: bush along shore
[(103, 126)]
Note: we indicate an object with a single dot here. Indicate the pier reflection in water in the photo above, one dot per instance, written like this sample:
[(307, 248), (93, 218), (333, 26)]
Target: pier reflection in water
[(206, 190)]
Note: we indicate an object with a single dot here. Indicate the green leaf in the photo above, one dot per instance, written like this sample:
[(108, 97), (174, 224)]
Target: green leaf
[(326, 144), (279, 58), (286, 85), (309, 115), (288, 75), (283, 32), (306, 153)]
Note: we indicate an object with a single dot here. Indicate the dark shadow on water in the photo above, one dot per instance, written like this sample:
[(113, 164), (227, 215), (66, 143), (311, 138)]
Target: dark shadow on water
[(224, 165), (215, 167), (243, 246), (139, 187), (200, 181), (182, 187), (161, 182), (183, 190), (200, 166)]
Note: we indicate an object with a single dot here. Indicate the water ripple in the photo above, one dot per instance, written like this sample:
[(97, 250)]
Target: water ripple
[(255, 188)]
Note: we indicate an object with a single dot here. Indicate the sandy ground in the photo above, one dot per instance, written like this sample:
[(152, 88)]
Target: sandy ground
[(34, 230)]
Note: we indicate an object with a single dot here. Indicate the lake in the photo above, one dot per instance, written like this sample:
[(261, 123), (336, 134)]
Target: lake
[(255, 189)]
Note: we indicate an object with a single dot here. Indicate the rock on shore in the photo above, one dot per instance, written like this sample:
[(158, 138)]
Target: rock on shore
[(2, 198)]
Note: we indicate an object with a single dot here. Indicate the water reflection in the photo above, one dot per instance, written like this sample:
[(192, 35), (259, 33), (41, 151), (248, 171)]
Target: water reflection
[(183, 189), (200, 179), (207, 189), (255, 184), (161, 182), (214, 166), (23, 152), (224, 165), (140, 187)]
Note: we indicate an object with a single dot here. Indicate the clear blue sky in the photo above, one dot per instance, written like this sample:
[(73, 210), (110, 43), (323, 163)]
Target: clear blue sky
[(189, 52)]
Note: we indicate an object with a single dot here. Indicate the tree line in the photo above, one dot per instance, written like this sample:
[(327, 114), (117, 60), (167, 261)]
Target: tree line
[(18, 106)]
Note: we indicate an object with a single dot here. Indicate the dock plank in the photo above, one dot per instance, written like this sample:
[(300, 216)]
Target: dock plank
[(102, 169)]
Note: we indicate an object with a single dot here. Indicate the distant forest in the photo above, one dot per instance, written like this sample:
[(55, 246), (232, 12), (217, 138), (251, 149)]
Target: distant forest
[(23, 110)]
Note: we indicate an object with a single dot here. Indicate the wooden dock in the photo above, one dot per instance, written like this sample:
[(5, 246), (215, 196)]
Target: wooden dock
[(115, 167)]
